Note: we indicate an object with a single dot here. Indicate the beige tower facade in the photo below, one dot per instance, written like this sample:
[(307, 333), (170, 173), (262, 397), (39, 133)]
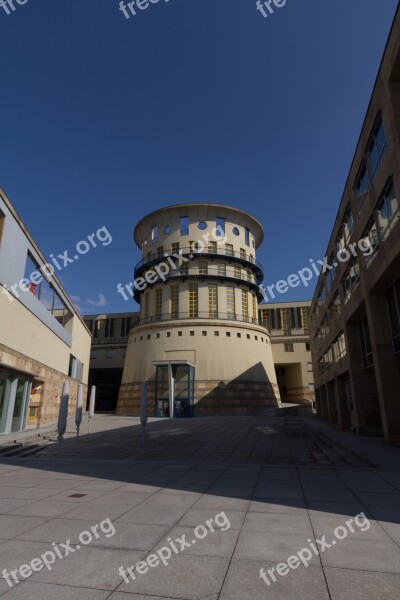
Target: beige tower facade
[(199, 344)]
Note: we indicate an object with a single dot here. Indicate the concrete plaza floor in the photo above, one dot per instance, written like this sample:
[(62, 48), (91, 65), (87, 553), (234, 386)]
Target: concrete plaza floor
[(280, 493)]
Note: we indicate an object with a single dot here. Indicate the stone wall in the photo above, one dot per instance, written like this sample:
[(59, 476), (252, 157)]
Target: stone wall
[(48, 384), (211, 398)]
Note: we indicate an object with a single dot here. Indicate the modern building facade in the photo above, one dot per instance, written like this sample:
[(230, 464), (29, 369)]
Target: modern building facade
[(199, 344), (355, 316), (287, 323), (107, 357), (43, 340)]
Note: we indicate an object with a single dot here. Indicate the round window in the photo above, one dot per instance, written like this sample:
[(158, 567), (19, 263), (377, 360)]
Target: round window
[(202, 225), (167, 229), (236, 231)]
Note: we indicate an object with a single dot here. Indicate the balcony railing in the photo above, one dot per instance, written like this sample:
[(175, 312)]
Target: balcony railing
[(230, 255), (205, 316)]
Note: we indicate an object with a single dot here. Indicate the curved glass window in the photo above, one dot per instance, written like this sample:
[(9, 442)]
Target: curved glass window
[(202, 225), (167, 229)]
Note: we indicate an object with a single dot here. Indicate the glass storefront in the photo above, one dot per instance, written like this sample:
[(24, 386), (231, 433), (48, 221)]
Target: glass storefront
[(182, 386), (15, 392)]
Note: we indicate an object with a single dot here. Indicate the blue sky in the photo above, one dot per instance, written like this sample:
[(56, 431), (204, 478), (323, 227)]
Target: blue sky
[(105, 119)]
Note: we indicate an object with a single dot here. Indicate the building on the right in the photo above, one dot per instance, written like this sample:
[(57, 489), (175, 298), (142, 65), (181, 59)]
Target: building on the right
[(355, 312)]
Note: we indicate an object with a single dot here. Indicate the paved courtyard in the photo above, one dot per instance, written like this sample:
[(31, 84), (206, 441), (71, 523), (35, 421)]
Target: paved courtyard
[(243, 494)]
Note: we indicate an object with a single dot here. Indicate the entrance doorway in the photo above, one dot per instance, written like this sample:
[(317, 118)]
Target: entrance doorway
[(174, 389), (14, 399)]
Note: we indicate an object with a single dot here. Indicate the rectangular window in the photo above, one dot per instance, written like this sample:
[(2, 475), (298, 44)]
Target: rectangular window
[(116, 328), (311, 387), (334, 307), (371, 234), (242, 253), (249, 275), (361, 187), (251, 258), (212, 302), (175, 248), (203, 267), (146, 305), (212, 247), (184, 225), (254, 309), (393, 305), (160, 251), (184, 270), (388, 213), (229, 249), (288, 346), (245, 305), (220, 227), (174, 301), (193, 301), (237, 271), (377, 148), (2, 222), (230, 302), (158, 303), (365, 341), (350, 279), (247, 236), (309, 367), (221, 269), (154, 234), (110, 354), (92, 355)]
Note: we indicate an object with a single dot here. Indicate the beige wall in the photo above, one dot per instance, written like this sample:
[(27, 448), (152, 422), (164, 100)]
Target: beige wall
[(216, 357), (23, 332)]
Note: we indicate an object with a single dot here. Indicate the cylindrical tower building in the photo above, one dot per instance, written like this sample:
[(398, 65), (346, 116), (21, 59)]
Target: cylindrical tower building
[(198, 345)]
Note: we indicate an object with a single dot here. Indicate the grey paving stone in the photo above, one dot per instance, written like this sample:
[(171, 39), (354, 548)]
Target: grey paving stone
[(44, 508), (97, 511), (69, 496), (325, 524), (361, 554), (341, 509), (196, 517), (243, 581), (276, 493), (25, 493), (278, 506), (117, 497), (275, 523), (158, 515), (90, 568), (216, 502), (270, 547), (345, 584), (58, 484), (46, 591), (186, 576), (217, 543), (13, 525), (7, 504)]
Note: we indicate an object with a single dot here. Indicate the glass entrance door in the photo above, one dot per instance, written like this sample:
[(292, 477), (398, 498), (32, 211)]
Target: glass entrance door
[(184, 388), (178, 381), (14, 400)]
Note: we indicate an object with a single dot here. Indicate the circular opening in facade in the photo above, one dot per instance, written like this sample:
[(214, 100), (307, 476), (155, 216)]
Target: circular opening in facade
[(167, 229), (235, 231), (202, 225)]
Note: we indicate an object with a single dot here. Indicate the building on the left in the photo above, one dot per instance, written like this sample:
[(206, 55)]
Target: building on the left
[(43, 339)]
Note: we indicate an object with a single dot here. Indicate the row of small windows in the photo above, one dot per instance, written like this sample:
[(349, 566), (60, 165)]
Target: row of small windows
[(212, 248), (220, 228), (373, 156), (285, 319), (203, 333), (193, 303), (393, 309), (381, 224), (333, 354), (111, 327)]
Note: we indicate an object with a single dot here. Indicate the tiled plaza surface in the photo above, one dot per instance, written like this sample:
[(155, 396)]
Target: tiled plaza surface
[(279, 492)]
